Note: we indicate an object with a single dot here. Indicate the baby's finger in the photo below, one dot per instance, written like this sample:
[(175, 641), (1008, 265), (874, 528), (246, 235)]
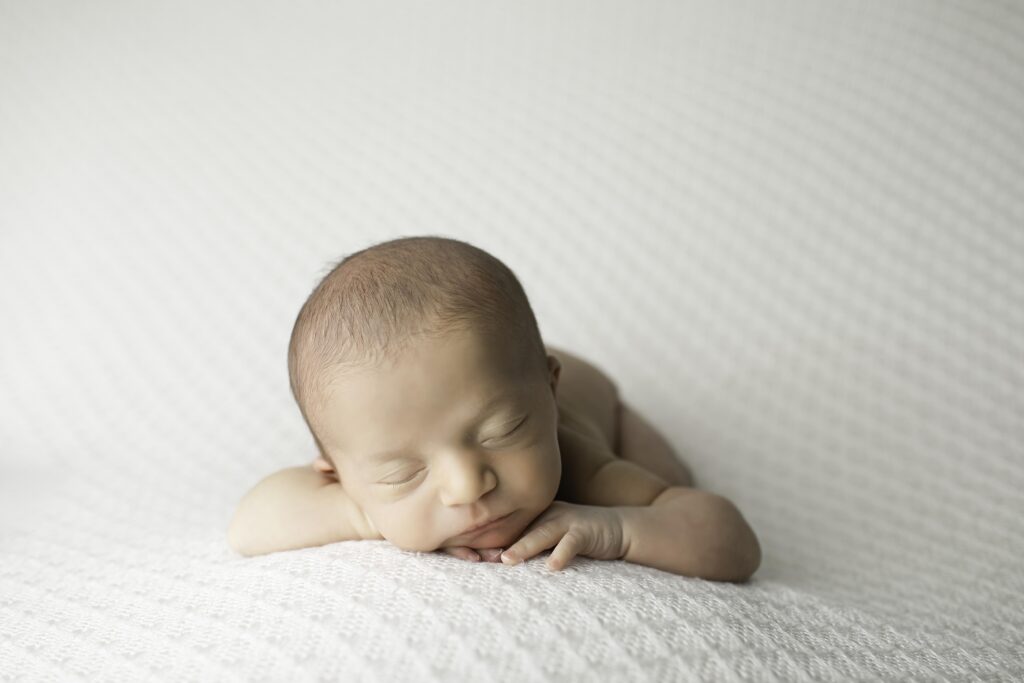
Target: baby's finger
[(566, 549), (536, 540), (463, 553)]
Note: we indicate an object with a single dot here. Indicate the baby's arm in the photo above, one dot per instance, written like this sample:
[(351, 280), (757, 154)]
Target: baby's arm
[(296, 507)]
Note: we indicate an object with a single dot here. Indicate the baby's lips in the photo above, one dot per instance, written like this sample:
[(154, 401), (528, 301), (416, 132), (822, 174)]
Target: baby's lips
[(490, 554)]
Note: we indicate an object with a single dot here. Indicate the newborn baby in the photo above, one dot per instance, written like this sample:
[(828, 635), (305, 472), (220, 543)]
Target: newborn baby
[(443, 423)]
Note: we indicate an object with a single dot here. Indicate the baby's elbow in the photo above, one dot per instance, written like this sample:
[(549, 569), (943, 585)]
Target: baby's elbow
[(740, 555), (235, 542), (239, 540), (749, 560)]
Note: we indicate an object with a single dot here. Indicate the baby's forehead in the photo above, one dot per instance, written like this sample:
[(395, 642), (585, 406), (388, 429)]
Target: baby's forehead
[(417, 385)]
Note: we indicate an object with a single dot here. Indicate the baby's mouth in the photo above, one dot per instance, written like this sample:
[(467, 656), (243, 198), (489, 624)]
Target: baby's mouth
[(490, 554), (490, 526)]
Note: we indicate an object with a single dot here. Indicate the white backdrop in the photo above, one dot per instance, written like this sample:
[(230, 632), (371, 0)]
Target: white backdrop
[(791, 233)]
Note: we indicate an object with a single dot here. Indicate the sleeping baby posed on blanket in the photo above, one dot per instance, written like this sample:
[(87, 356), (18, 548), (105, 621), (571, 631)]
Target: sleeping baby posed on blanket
[(443, 423)]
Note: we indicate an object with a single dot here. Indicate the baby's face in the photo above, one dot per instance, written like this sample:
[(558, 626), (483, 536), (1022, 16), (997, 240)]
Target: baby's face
[(422, 449)]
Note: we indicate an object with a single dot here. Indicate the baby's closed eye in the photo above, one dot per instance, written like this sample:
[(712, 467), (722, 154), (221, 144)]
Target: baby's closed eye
[(510, 432), (408, 478)]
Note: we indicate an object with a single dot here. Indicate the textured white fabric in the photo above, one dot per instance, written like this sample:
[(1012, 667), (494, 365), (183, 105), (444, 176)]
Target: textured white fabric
[(790, 231)]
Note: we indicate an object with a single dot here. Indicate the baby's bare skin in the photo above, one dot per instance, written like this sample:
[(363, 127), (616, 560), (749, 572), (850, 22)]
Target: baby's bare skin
[(595, 397), (587, 392), (454, 432), (590, 427), (447, 435), (595, 426)]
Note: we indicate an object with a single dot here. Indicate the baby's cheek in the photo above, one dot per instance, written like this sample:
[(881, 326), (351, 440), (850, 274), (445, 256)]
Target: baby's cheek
[(407, 530)]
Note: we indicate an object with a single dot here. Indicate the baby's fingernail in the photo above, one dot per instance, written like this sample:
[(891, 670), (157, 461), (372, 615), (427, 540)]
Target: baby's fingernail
[(508, 558)]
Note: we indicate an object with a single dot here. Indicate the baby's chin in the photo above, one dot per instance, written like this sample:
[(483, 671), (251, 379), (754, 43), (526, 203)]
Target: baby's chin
[(499, 537)]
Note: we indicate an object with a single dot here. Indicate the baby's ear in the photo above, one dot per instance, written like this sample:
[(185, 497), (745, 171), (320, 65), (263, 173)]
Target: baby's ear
[(321, 465), (554, 370)]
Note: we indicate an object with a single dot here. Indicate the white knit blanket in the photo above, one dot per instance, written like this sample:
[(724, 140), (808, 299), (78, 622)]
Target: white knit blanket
[(792, 232)]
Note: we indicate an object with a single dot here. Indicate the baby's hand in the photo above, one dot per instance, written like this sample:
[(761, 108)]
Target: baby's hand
[(588, 530)]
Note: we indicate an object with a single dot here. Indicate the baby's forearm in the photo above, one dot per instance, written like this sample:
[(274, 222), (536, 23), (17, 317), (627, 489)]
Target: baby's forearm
[(293, 508), (693, 533)]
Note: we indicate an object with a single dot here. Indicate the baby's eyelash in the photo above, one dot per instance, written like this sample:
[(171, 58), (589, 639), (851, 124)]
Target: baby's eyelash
[(503, 436), (399, 483), (514, 429)]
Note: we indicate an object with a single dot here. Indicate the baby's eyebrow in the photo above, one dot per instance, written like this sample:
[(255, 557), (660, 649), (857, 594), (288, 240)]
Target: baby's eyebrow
[(504, 397)]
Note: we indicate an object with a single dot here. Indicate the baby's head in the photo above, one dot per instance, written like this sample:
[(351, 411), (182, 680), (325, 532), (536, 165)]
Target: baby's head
[(420, 371)]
